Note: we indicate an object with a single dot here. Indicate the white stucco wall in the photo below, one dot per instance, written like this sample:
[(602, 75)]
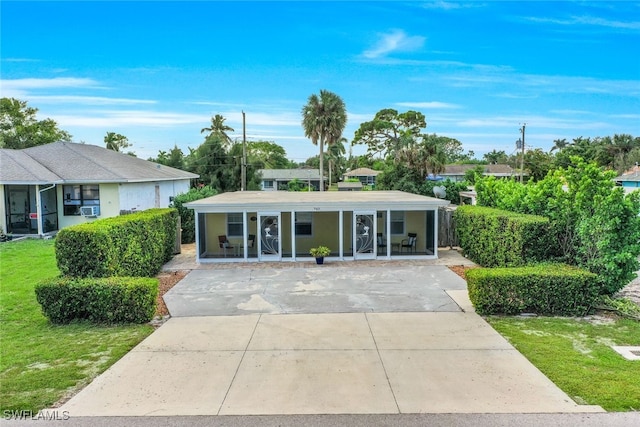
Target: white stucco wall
[(3, 212), (141, 196)]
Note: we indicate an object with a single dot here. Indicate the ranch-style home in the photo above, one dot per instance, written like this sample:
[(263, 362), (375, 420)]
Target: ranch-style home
[(278, 179), (49, 187), (284, 226)]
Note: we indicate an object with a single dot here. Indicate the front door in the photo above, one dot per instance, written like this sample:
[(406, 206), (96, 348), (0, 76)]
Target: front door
[(364, 232), (269, 243)]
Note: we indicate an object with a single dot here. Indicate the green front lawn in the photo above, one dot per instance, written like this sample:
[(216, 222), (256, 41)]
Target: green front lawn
[(41, 363), (576, 355)]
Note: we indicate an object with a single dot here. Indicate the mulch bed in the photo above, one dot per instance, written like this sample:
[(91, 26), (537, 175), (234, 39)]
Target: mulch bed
[(167, 281)]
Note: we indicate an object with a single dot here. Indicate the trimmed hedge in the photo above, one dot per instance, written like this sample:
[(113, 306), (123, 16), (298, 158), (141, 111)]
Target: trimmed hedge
[(497, 238), (128, 245), (100, 300), (551, 289)]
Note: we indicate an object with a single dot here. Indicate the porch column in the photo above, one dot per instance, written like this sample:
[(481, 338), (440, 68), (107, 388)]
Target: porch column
[(341, 234), (245, 235), (196, 215), (38, 211), (293, 235), (435, 232), (388, 234)]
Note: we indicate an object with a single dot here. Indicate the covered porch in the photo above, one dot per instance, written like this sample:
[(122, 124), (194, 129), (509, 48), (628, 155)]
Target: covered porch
[(284, 226)]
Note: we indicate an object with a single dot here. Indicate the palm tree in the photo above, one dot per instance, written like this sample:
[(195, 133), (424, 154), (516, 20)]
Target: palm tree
[(323, 120), (335, 153), (559, 144), (115, 141), (219, 128)]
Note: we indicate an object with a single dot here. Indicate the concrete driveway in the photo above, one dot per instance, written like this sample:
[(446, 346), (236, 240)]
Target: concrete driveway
[(343, 338), (329, 288)]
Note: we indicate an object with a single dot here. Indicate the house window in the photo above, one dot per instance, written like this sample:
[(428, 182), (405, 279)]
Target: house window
[(76, 196), (397, 222), (235, 224), (268, 184), (304, 223)]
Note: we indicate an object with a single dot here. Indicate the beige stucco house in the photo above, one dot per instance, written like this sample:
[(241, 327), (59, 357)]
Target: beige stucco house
[(49, 187), (284, 226)]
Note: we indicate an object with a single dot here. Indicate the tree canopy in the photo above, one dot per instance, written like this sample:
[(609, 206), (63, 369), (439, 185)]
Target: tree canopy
[(389, 131), (20, 128), (116, 142)]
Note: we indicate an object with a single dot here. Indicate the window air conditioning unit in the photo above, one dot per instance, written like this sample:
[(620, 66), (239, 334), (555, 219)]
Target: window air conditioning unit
[(90, 210)]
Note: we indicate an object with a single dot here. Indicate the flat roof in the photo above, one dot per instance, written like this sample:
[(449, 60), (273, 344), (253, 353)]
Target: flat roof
[(301, 201)]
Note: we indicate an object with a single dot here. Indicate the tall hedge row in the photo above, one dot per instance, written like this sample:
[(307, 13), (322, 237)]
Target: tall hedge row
[(497, 238), (102, 300), (128, 245), (551, 289)]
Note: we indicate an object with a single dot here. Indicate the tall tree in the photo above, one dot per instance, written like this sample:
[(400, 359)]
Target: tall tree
[(495, 157), (324, 118), (116, 142), (174, 158), (559, 144), (389, 132), (19, 127), (219, 128), (335, 155), (268, 155)]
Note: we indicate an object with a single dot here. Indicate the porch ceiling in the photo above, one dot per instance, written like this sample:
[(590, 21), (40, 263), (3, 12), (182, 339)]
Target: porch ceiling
[(315, 201)]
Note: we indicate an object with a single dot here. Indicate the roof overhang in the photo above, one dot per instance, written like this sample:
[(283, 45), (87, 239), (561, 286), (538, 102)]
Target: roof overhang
[(314, 201)]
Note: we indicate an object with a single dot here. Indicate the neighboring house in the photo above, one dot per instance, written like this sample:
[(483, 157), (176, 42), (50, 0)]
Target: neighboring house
[(365, 175), (284, 226), (456, 172), (349, 186), (278, 179), (49, 187), (630, 180)]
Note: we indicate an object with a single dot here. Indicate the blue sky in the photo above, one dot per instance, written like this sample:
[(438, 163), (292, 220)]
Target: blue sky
[(157, 71)]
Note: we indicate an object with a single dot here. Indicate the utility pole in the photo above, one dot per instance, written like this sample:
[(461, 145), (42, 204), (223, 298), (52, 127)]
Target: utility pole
[(243, 166), (522, 129)]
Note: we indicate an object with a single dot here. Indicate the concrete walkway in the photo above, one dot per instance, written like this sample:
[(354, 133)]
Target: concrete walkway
[(353, 359)]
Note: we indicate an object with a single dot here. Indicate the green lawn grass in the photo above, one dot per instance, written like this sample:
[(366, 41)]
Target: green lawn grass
[(576, 355), (42, 363)]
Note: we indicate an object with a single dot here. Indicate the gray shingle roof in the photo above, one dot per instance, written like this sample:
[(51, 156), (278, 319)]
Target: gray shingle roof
[(488, 169), (74, 163), (363, 172), (288, 174)]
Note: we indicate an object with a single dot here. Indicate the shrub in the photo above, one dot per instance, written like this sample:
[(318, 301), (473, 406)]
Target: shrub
[(129, 245), (187, 217), (498, 238), (593, 224), (552, 289), (100, 300)]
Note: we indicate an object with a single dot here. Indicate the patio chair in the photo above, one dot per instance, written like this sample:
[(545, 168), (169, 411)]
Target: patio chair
[(382, 245), (409, 243), (224, 244), (251, 242)]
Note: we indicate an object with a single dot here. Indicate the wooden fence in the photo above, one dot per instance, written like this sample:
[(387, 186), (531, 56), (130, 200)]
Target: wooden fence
[(447, 236)]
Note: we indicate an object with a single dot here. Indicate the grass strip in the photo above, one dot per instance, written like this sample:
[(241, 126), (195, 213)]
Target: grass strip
[(576, 355), (41, 363)]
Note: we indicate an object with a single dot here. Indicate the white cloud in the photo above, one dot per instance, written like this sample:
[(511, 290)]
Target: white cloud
[(449, 5), (21, 88), (588, 20), (57, 82), (395, 41), (428, 105), (87, 100), (111, 119)]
